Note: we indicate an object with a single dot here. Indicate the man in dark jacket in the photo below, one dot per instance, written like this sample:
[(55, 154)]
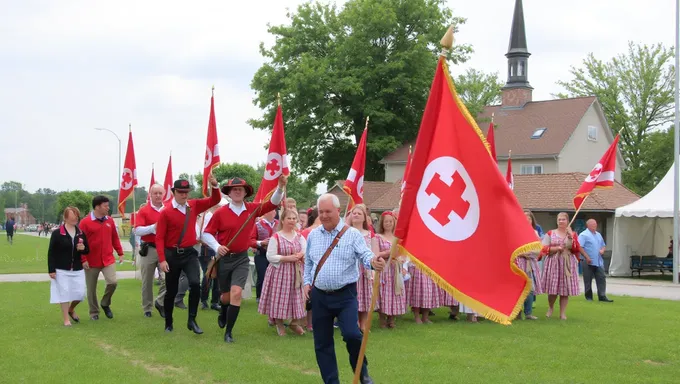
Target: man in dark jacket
[(9, 228)]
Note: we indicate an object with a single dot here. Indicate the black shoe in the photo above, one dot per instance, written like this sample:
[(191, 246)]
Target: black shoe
[(147, 314), (107, 312), (589, 298), (94, 317), (204, 305), (180, 305), (222, 317), (215, 306), (606, 300), (366, 379), (168, 328), (192, 326), (228, 338), (161, 310)]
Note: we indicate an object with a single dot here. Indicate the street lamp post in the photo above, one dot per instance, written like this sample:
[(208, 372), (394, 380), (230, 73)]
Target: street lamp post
[(119, 159)]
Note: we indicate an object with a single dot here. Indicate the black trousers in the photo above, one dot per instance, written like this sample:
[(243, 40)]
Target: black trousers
[(326, 307), (590, 271), (186, 262), (261, 264), (204, 259)]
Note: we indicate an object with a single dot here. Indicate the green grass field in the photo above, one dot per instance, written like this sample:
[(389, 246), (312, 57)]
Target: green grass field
[(629, 341), (28, 254)]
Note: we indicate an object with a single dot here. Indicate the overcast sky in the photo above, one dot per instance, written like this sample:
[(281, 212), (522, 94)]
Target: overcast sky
[(69, 66)]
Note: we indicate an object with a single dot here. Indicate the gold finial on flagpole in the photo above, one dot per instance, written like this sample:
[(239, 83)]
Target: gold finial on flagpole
[(278, 98), (493, 114), (366, 126), (130, 127), (447, 41), (510, 154), (213, 90)]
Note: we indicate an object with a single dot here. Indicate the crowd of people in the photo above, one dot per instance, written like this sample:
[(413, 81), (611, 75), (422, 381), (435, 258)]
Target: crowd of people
[(315, 268)]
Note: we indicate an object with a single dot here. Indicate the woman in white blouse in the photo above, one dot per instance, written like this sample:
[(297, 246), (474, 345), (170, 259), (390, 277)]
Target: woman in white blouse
[(282, 296)]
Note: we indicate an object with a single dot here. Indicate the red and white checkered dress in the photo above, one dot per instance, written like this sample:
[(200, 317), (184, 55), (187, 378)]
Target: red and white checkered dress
[(365, 283), (534, 273), (280, 298), (423, 292), (391, 303), (555, 279), (445, 299)]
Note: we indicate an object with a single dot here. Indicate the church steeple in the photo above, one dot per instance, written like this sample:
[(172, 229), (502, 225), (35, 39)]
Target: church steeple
[(518, 61)]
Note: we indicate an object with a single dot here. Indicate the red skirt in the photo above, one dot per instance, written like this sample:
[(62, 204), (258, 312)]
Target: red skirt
[(365, 289), (280, 299), (445, 299), (424, 293)]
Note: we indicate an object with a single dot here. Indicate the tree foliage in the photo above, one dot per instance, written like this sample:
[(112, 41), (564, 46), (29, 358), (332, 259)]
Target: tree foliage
[(79, 199), (636, 93), (478, 89), (334, 67)]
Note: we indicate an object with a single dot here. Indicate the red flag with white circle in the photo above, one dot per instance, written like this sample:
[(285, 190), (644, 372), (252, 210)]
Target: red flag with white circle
[(128, 179), (212, 148), (277, 160), (354, 185)]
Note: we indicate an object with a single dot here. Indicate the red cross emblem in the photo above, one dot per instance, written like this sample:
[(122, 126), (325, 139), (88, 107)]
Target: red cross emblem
[(450, 198), (273, 167)]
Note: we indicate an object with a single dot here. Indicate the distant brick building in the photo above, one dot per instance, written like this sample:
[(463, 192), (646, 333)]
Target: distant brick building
[(22, 216)]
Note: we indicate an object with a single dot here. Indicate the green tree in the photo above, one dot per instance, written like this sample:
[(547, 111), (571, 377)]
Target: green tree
[(636, 92), (657, 158), (478, 89), (226, 171), (334, 67), (79, 199)]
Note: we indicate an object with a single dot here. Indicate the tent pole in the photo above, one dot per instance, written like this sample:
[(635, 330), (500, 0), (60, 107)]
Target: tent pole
[(676, 152)]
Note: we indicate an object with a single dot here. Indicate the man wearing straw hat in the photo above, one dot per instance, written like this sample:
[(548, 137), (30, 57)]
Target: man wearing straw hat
[(229, 235)]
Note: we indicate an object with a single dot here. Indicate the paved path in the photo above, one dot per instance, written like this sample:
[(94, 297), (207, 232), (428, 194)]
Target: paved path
[(123, 241)]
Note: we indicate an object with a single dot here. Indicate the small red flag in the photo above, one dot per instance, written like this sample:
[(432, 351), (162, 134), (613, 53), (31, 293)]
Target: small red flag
[(277, 160), (602, 175), (455, 200), (153, 181), (212, 148), (509, 178), (491, 139), (167, 183), (354, 185), (129, 176)]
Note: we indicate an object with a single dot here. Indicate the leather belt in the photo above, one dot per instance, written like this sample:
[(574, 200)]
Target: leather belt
[(336, 291)]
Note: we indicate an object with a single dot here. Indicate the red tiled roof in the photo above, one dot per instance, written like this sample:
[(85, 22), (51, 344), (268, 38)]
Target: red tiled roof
[(555, 192), (514, 127), (373, 191)]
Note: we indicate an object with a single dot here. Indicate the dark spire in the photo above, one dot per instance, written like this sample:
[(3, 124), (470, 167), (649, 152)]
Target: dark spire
[(518, 55), (518, 36)]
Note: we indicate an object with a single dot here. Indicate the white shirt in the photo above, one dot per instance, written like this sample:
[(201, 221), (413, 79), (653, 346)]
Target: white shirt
[(181, 208)]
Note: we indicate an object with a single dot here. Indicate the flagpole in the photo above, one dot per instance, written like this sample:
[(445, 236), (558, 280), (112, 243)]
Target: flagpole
[(446, 43), (676, 149)]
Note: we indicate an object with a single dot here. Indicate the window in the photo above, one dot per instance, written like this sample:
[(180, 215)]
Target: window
[(538, 133), (531, 169), (520, 68), (592, 133)]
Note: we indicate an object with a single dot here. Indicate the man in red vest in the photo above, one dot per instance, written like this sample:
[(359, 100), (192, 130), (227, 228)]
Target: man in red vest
[(102, 237), (233, 265), (175, 240)]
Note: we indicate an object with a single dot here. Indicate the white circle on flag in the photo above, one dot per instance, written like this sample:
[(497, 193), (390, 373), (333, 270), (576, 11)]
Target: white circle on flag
[(360, 187), (274, 166), (127, 179), (208, 157), (447, 200), (594, 174)]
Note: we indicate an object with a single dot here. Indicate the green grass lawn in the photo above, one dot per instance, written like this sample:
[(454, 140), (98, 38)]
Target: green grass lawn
[(28, 254), (629, 341)]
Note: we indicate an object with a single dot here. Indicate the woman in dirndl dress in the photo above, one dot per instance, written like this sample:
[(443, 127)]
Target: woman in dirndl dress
[(282, 296), (424, 295), (359, 219), (392, 296), (560, 266), (528, 262), (67, 278)]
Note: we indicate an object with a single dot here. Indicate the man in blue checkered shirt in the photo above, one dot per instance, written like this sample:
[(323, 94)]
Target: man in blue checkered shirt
[(335, 290)]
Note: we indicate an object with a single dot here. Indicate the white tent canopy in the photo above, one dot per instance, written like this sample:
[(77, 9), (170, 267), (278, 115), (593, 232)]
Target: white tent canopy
[(644, 227)]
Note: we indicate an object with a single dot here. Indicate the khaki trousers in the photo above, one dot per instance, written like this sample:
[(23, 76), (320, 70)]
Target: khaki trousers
[(149, 264), (91, 277)]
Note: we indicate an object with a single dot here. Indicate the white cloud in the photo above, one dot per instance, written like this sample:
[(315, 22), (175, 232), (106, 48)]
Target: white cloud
[(71, 66)]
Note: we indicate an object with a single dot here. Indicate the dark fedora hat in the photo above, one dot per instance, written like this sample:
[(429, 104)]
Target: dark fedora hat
[(181, 185), (237, 182)]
